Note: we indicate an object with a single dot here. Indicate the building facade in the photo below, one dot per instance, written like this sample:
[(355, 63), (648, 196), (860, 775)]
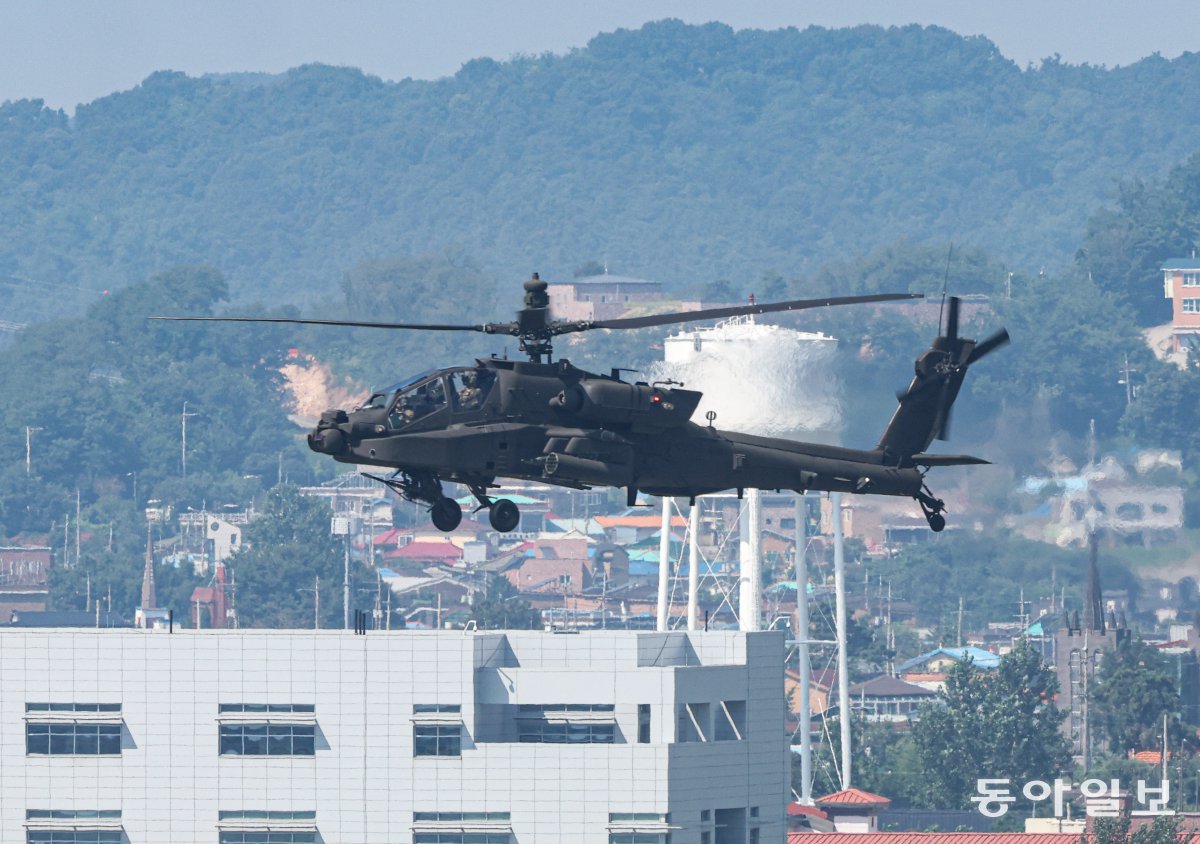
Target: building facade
[(290, 737), (1181, 283)]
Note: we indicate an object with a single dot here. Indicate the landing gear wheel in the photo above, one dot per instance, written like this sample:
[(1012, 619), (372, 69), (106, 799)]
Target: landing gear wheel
[(937, 522), (446, 514), (504, 515)]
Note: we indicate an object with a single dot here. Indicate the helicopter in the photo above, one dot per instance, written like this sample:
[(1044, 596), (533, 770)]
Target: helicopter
[(550, 421)]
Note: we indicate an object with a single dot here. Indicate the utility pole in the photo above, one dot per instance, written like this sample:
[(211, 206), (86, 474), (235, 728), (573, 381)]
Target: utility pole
[(76, 525), (960, 615), (28, 432), (183, 418), (1126, 372)]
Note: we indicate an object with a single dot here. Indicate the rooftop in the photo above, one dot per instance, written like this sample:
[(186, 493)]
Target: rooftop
[(852, 797)]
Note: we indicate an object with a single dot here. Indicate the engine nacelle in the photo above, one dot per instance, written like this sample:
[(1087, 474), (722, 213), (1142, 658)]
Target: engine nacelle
[(586, 471), (636, 407)]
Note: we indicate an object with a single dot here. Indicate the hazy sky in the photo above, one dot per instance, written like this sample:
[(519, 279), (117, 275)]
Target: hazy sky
[(72, 51)]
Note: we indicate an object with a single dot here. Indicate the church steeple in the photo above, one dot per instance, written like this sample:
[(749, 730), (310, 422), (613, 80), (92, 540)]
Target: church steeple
[(1093, 608)]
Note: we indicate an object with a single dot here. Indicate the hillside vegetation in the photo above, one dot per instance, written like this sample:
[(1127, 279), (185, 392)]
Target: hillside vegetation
[(686, 153)]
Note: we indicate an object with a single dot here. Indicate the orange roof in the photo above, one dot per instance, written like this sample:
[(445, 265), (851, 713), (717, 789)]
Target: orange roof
[(852, 797), (932, 838), (638, 521), (1150, 757), (796, 809), (924, 678)]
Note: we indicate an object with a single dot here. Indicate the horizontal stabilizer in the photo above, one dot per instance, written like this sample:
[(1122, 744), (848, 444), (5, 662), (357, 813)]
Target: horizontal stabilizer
[(948, 460)]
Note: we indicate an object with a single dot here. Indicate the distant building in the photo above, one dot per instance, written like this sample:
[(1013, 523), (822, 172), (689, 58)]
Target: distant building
[(1080, 645), (24, 579), (600, 296), (1181, 283)]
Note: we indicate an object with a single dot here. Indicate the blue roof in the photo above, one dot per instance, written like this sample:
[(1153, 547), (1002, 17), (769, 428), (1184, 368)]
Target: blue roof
[(1182, 264), (981, 658)]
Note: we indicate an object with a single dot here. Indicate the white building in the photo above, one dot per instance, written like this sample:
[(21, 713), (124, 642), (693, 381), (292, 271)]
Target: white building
[(286, 737)]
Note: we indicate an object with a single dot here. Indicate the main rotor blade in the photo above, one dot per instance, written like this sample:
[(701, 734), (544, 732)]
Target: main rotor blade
[(985, 347), (738, 310), (489, 328)]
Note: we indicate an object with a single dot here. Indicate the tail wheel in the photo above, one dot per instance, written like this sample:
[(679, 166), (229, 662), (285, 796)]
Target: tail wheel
[(446, 514), (504, 515)]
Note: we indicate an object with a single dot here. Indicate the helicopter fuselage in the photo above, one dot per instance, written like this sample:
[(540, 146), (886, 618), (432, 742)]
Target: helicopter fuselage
[(557, 424)]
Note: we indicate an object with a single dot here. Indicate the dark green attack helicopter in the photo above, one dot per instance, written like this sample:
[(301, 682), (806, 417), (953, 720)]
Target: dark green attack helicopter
[(548, 421)]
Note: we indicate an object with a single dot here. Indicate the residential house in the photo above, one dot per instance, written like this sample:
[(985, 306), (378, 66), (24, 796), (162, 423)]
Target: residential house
[(1181, 284)]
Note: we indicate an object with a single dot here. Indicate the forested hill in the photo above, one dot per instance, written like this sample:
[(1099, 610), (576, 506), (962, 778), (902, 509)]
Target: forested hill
[(687, 153)]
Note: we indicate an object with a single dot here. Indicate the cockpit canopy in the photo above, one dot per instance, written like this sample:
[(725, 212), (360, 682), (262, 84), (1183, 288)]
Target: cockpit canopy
[(462, 390)]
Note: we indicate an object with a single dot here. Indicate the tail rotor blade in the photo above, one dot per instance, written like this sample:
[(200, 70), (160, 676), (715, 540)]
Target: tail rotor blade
[(986, 347)]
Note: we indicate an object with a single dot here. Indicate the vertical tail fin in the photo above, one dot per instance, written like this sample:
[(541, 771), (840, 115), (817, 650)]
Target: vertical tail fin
[(924, 411)]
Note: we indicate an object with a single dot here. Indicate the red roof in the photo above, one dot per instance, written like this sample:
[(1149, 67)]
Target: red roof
[(933, 838), (852, 797), (795, 809), (426, 550), (389, 537)]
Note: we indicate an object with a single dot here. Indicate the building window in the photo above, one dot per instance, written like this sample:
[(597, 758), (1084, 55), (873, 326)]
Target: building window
[(72, 739), (1191, 306), (73, 836), (706, 837), (432, 708), (1191, 279), (639, 838), (305, 708), (261, 826), (460, 817), (754, 836), (73, 826), (437, 740), (730, 721), (549, 732), (461, 838), (72, 707), (268, 739), (643, 723)]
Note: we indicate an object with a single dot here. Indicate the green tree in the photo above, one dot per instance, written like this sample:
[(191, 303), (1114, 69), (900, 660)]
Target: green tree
[(502, 608), (1164, 830), (1001, 724), (284, 550), (1134, 690)]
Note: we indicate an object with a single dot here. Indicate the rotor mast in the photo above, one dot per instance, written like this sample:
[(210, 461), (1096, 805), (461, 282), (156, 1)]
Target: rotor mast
[(533, 322)]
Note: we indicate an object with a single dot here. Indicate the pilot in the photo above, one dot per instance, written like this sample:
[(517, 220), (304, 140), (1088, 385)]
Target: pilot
[(469, 395)]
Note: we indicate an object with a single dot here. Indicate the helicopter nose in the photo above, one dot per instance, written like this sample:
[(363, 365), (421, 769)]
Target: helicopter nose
[(327, 440)]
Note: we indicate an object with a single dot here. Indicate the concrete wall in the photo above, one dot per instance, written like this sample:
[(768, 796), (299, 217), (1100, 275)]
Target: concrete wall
[(364, 784)]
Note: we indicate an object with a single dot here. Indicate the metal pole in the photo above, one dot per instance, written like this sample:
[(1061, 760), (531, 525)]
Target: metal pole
[(802, 651), (183, 439), (839, 586), (317, 603), (28, 447), (751, 574), (664, 564), (693, 566), (346, 584)]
